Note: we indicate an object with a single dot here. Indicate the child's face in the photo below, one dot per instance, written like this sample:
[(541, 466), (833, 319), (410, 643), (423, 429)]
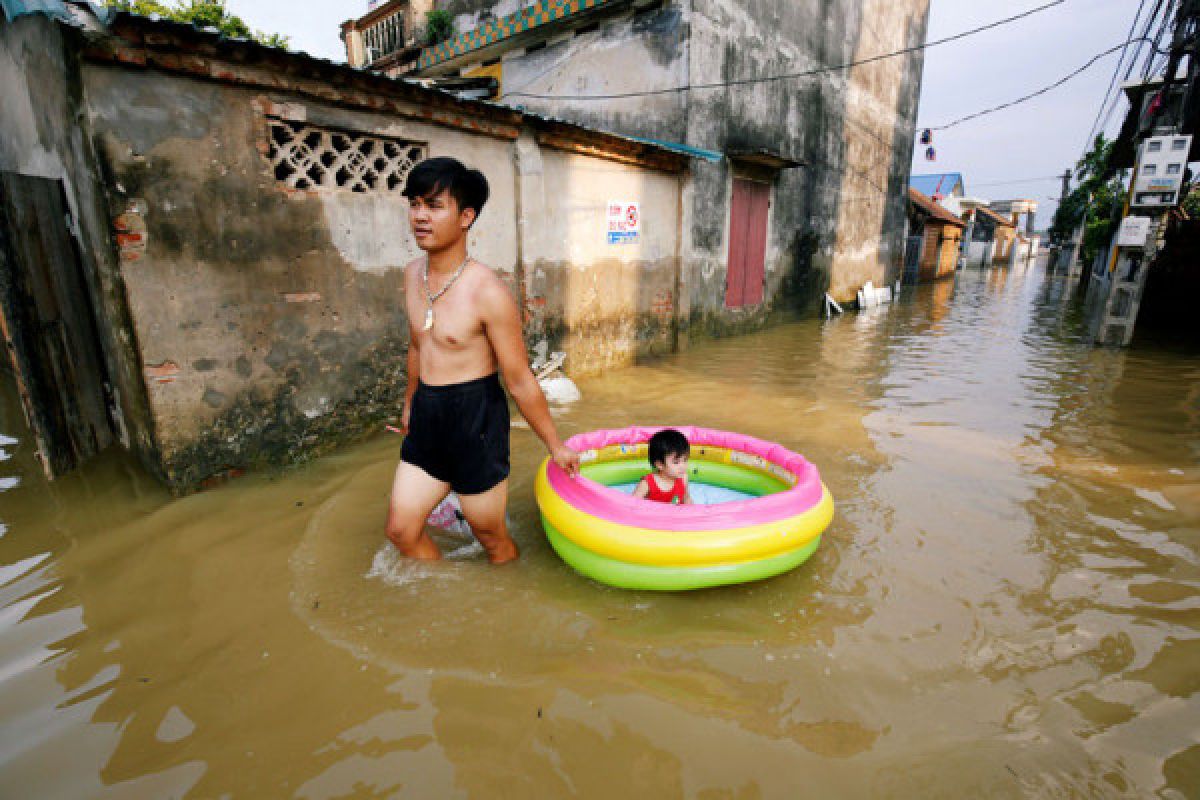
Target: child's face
[(437, 222), (673, 466)]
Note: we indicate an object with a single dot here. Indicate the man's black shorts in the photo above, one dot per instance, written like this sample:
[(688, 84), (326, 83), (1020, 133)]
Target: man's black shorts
[(458, 433)]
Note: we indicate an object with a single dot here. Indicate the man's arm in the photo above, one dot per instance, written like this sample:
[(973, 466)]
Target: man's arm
[(414, 376), (413, 372), (502, 324)]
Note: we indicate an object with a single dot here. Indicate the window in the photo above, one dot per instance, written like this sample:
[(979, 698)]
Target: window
[(1172, 169), (1153, 146), (1149, 169), (312, 158), (384, 37), (1178, 144)]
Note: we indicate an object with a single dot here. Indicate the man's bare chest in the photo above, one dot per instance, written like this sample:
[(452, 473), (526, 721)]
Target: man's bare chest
[(454, 322)]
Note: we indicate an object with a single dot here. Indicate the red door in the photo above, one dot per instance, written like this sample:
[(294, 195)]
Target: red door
[(747, 243)]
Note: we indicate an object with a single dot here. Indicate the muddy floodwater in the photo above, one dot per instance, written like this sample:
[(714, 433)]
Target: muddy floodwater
[(1007, 603)]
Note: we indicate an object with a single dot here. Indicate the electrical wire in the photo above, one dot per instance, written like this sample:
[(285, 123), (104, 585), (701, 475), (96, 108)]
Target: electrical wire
[(1159, 7), (804, 74), (1018, 180), (1117, 70), (1025, 98)]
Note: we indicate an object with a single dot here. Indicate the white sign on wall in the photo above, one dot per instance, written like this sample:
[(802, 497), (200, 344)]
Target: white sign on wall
[(624, 222), (1133, 232)]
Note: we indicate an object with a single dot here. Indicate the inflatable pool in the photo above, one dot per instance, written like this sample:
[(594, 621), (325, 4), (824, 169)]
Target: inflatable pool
[(624, 541)]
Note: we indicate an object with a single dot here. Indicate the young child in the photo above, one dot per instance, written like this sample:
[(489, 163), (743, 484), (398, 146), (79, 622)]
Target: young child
[(669, 451)]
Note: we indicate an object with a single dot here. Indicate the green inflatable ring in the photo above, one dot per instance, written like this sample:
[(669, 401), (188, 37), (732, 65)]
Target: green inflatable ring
[(644, 576)]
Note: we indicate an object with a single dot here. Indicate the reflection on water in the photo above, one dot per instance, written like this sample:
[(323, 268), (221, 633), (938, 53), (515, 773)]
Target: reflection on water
[(1005, 605)]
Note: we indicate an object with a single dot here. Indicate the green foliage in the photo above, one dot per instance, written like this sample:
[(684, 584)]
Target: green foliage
[(1191, 204), (439, 26), (1092, 202), (202, 13)]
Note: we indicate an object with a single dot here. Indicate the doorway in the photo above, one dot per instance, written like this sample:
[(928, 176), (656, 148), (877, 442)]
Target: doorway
[(48, 324), (745, 273)]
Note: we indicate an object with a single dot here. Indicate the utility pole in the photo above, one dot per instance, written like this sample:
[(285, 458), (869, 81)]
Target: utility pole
[(1114, 296), (1068, 251)]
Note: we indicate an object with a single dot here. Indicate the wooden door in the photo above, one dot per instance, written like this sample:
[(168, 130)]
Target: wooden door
[(746, 270), (49, 326)]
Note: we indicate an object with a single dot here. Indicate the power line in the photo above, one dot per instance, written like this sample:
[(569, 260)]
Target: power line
[(1019, 180), (1033, 94), (804, 74), (1144, 38), (1117, 69)]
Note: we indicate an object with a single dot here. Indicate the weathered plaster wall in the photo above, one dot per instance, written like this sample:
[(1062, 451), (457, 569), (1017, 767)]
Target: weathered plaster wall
[(470, 14), (604, 304), (838, 221), (626, 53), (40, 96), (270, 321), (881, 106)]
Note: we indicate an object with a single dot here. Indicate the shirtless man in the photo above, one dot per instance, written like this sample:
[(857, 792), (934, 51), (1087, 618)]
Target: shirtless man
[(464, 325)]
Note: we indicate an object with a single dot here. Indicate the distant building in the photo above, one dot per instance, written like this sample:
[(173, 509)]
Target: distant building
[(388, 37), (992, 237), (1014, 209), (940, 234)]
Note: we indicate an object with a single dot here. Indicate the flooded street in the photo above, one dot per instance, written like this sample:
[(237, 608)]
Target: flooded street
[(1007, 603)]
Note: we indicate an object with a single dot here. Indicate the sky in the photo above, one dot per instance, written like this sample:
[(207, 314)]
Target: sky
[(1037, 139)]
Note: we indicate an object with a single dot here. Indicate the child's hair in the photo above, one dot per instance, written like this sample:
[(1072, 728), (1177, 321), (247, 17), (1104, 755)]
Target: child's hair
[(467, 186), (668, 442)]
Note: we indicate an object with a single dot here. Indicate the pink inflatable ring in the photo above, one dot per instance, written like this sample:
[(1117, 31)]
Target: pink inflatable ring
[(632, 543)]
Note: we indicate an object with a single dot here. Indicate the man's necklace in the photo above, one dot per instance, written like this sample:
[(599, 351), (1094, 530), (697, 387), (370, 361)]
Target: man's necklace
[(431, 297)]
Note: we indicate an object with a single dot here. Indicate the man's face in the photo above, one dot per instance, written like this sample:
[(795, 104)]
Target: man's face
[(437, 222)]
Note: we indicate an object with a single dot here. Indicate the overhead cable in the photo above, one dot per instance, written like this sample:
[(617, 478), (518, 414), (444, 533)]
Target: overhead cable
[(1025, 98), (1117, 70)]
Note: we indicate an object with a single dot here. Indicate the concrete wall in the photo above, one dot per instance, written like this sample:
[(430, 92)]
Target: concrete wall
[(979, 254), (626, 53), (470, 14), (835, 223), (604, 304)]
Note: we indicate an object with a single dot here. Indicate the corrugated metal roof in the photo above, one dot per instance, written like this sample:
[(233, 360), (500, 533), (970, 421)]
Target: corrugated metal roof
[(677, 147)]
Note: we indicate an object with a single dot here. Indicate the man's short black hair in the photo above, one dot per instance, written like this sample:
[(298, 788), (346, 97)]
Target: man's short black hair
[(467, 186), (667, 442)]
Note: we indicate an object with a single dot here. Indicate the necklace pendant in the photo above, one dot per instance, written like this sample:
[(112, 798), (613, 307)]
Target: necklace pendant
[(428, 318)]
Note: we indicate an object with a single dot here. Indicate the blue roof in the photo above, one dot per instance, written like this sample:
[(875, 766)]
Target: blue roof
[(684, 149), (941, 184), (51, 8), (15, 8)]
